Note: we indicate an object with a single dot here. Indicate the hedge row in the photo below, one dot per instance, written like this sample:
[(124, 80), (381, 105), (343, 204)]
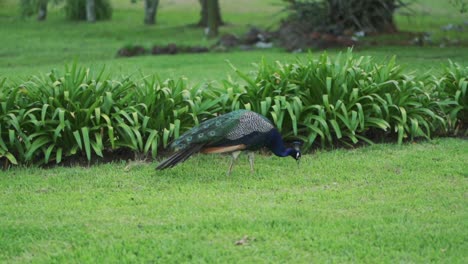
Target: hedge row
[(321, 101)]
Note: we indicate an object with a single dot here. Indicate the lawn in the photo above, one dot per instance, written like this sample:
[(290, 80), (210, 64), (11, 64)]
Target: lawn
[(378, 204), (30, 47)]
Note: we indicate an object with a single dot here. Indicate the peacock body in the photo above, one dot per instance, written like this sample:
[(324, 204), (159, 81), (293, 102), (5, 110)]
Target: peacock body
[(237, 131)]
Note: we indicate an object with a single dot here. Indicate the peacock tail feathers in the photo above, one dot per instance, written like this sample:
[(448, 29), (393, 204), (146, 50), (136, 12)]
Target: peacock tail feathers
[(180, 156), (231, 126)]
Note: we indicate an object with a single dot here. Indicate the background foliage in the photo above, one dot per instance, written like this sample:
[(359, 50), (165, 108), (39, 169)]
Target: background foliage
[(324, 102), (336, 16), (74, 9)]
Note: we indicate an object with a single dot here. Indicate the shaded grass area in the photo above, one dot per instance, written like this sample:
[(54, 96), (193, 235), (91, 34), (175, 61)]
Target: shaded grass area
[(382, 203)]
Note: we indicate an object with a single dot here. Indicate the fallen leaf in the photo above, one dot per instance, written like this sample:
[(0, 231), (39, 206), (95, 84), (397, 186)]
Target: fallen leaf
[(243, 241)]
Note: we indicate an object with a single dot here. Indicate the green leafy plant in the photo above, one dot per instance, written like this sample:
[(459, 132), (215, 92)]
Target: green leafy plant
[(344, 100), (58, 115), (13, 140), (411, 109), (325, 102), (451, 90)]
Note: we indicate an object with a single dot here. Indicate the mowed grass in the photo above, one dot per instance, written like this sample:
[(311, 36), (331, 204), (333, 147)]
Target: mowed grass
[(29, 47), (383, 203), (377, 204)]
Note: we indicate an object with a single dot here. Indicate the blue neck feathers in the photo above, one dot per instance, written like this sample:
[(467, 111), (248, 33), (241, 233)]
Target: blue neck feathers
[(277, 146)]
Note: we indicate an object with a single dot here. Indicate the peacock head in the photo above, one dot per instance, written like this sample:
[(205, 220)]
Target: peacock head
[(296, 154), (296, 151)]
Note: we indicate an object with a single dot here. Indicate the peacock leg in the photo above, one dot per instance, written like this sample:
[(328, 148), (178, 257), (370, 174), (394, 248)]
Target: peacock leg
[(251, 161), (234, 155)]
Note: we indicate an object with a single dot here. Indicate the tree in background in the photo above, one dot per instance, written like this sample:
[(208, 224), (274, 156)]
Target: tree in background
[(151, 8), (90, 10), (204, 14), (335, 16), (332, 23), (212, 19), (42, 10)]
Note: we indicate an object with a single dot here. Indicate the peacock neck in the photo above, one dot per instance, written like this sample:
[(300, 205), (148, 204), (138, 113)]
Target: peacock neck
[(277, 144)]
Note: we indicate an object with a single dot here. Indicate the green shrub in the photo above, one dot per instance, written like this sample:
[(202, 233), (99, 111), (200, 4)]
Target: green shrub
[(346, 100), (28, 7), (172, 107), (10, 142), (451, 89), (411, 109), (65, 114), (324, 102), (337, 16), (59, 115)]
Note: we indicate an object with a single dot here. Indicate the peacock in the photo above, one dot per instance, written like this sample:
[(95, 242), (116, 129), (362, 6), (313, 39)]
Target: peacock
[(234, 132)]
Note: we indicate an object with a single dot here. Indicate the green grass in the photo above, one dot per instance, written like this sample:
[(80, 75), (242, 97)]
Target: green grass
[(31, 47), (378, 204), (383, 203), (429, 16)]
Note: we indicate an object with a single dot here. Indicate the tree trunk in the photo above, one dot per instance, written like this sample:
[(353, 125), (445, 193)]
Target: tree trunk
[(212, 29), (204, 14), (151, 7), (42, 10), (90, 11)]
